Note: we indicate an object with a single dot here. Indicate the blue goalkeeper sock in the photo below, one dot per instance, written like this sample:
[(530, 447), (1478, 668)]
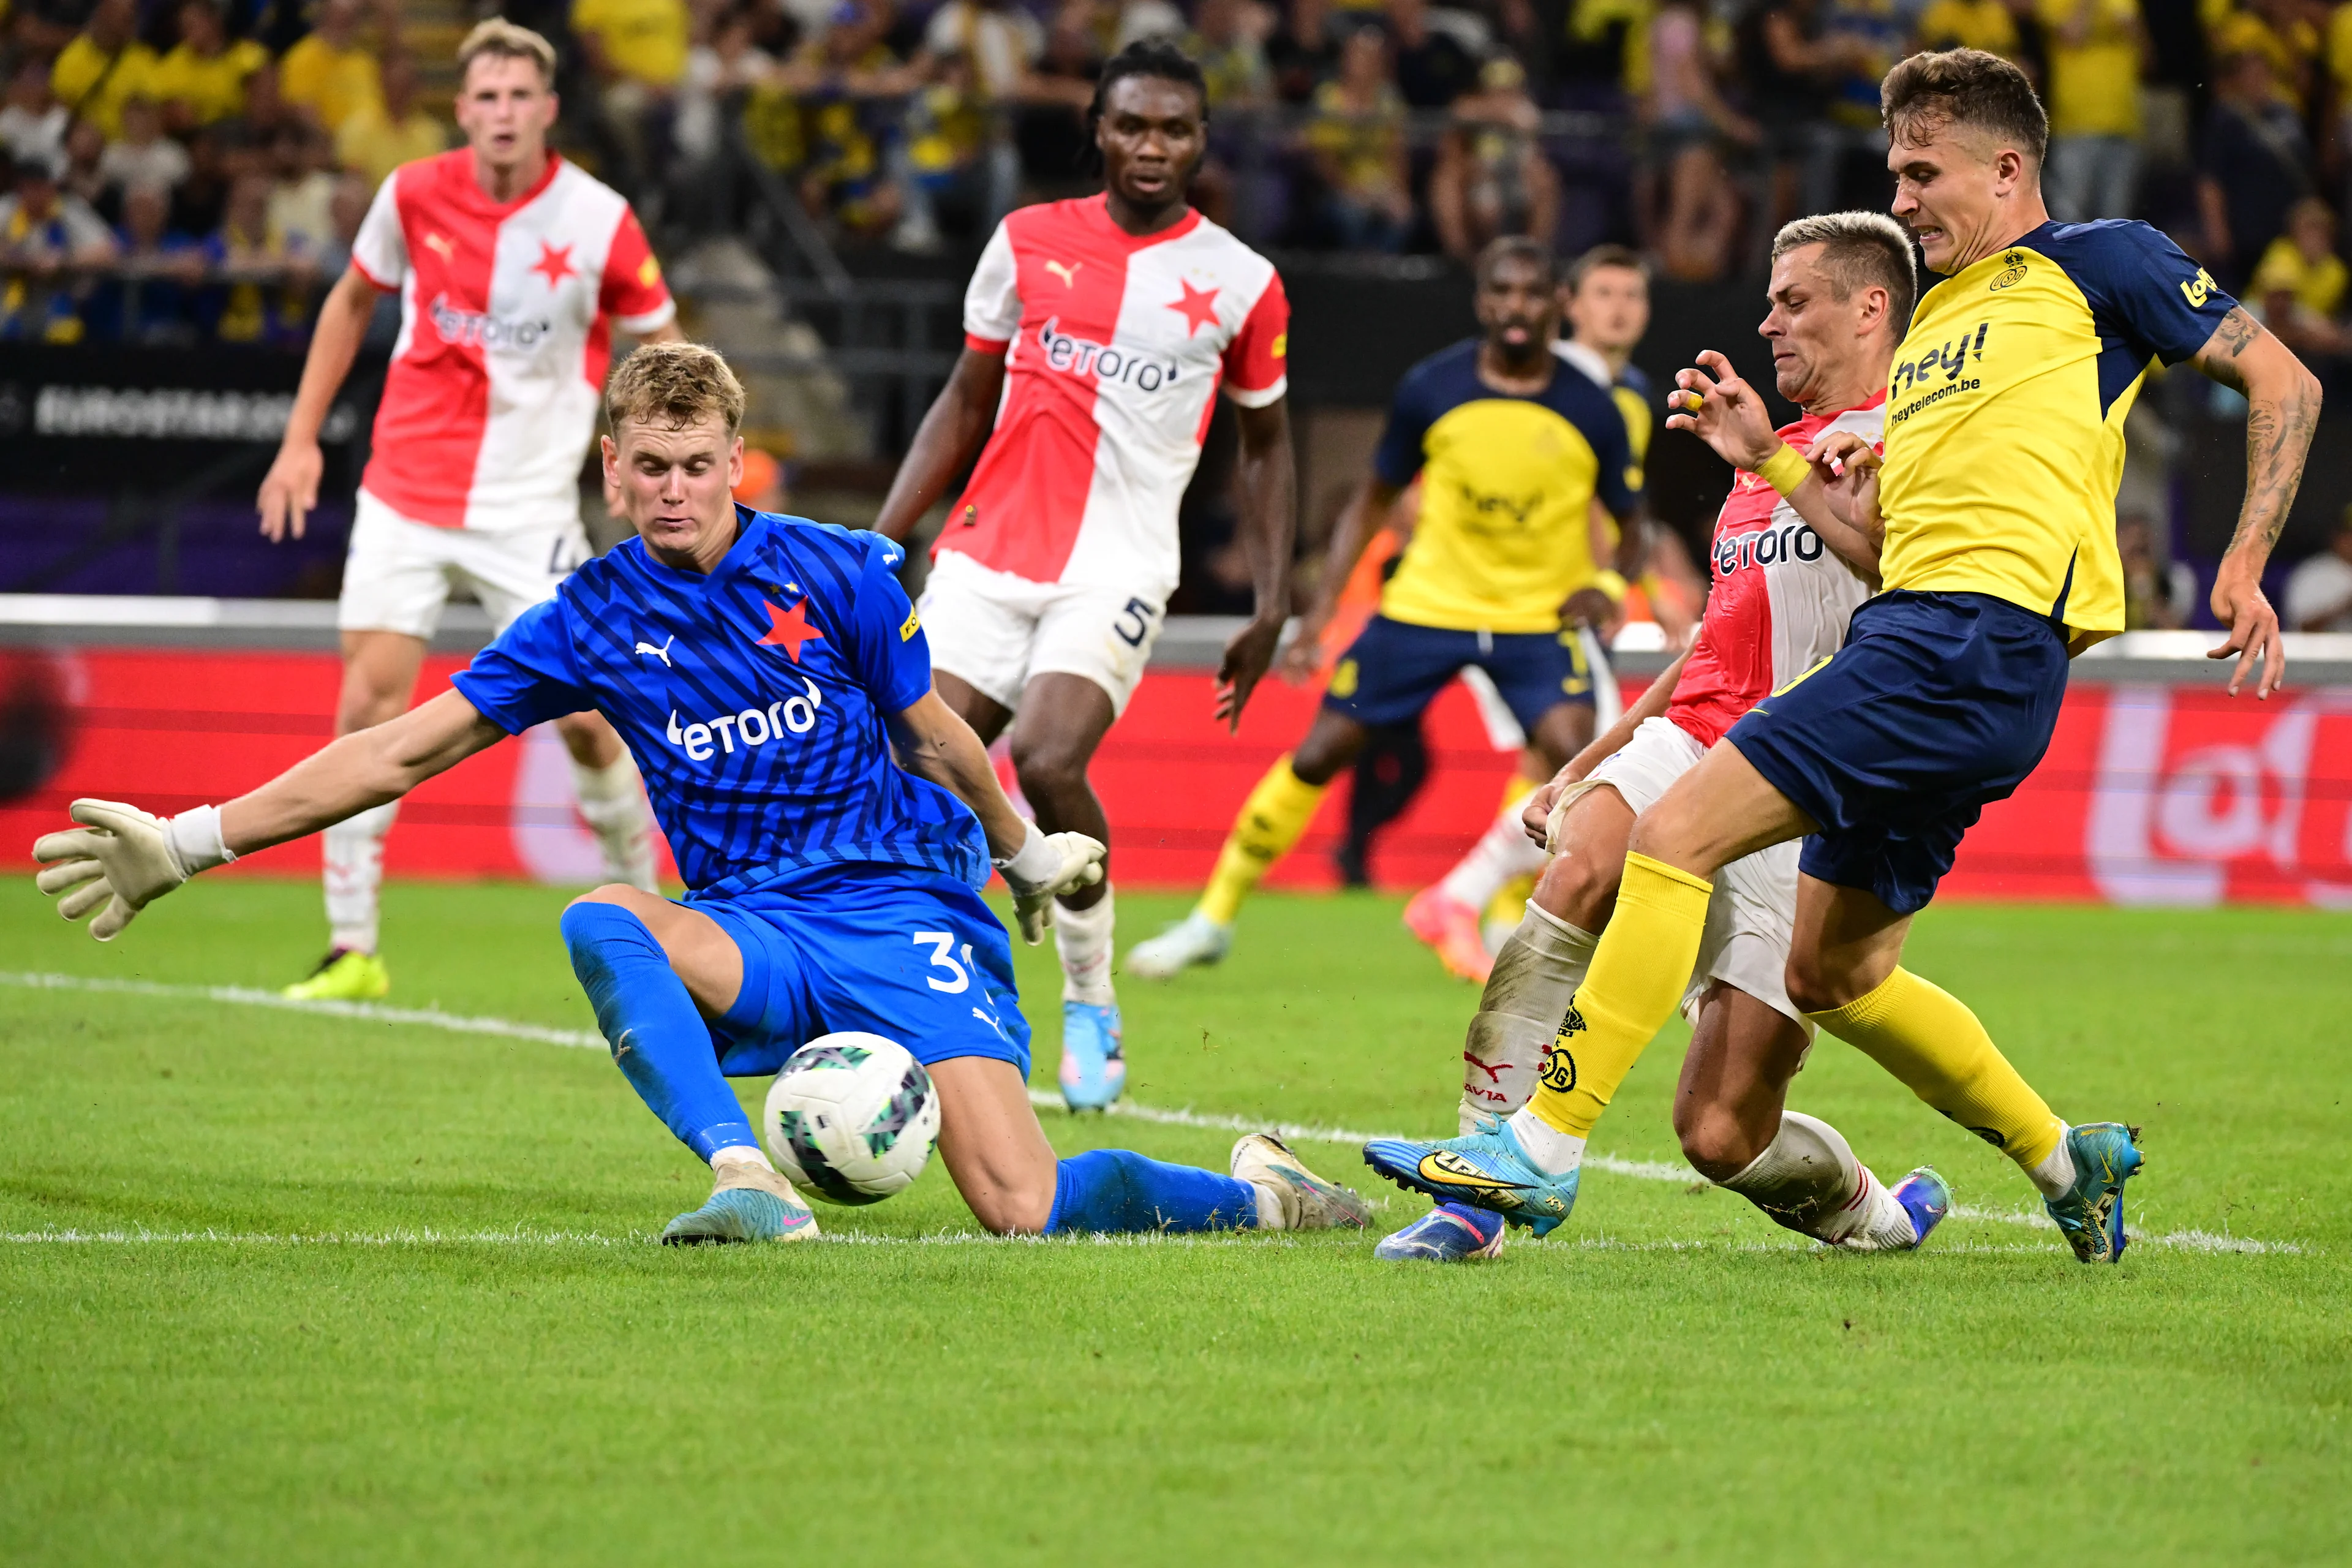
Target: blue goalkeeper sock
[(659, 1042), (1115, 1189)]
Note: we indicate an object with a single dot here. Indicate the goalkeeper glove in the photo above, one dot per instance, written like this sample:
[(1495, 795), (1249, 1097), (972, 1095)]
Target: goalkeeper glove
[(124, 859), (1045, 866)]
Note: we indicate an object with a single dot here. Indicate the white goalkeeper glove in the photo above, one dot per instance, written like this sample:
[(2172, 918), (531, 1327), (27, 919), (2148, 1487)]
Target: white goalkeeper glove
[(1045, 866), (124, 859)]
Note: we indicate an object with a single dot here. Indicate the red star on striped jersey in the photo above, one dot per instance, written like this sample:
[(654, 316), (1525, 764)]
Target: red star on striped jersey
[(554, 263), (1198, 307), (787, 629)]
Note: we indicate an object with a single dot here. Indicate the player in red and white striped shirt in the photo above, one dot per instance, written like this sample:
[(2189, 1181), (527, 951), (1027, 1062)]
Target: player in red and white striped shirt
[(1097, 333), (1788, 575), (513, 267)]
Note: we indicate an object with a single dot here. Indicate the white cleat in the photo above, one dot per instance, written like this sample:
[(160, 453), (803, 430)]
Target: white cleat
[(1308, 1201), (1193, 940)]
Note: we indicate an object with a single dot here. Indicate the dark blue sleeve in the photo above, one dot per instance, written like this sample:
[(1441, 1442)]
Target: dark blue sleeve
[(2143, 288), (890, 653), (528, 674), (1614, 449), (1399, 455)]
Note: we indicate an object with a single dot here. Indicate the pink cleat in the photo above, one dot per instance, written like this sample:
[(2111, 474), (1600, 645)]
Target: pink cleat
[(1451, 928)]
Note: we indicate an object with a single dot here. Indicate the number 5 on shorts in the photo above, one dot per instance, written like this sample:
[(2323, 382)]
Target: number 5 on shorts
[(1141, 614)]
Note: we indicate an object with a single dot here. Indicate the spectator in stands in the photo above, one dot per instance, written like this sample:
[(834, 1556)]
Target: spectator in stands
[(202, 80), (266, 116), (941, 153), (33, 125), (1233, 57), (1135, 20), (1002, 42), (841, 173), (1356, 140), (148, 303), (1697, 211), (2158, 595), (1605, 62), (1491, 177), (82, 174), (262, 295), (635, 51), (1055, 154), (1432, 68), (104, 65), (2096, 47), (2298, 286), (144, 158), (2319, 590), (717, 68), (1793, 66), (46, 237), (2255, 166), (1304, 50), (380, 137), (1987, 25), (199, 201), (330, 75), (302, 193), (1871, 36), (2282, 32)]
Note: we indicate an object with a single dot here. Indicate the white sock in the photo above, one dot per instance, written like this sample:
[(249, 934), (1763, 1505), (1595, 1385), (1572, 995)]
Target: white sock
[(1808, 1180), (1555, 1152), (354, 856), (1535, 977), (1083, 939), (740, 1154), (1503, 851), (1269, 1207), (615, 811), (2055, 1174)]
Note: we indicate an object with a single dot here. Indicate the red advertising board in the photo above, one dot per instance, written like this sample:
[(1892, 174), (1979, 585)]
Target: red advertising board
[(2150, 794)]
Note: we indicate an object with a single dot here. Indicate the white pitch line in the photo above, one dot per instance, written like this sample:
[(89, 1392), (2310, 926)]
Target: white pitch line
[(508, 1028)]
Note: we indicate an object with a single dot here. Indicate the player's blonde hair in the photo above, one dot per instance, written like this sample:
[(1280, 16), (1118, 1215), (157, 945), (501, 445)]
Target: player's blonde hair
[(677, 384), (1858, 249), (503, 40)]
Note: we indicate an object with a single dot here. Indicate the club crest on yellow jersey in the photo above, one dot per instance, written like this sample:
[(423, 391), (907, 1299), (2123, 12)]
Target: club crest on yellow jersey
[(2012, 267)]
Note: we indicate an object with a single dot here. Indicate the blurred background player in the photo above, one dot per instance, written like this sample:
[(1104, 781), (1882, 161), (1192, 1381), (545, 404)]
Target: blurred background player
[(834, 848), (512, 268), (2004, 447), (1605, 302), (1523, 462), (1096, 334), (1788, 575)]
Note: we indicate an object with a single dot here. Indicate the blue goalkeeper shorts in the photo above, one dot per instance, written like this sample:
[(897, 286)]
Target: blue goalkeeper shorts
[(913, 955)]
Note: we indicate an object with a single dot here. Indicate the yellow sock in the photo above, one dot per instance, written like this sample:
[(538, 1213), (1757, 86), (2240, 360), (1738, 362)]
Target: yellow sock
[(1928, 1038), (1639, 974), (1277, 812)]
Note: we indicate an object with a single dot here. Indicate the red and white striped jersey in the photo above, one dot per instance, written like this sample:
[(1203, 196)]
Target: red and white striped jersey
[(506, 313), (1114, 349), (1782, 596)]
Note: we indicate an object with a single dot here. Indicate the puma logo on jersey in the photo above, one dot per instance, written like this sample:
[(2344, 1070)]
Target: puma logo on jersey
[(661, 653), (1069, 275), (753, 726), (442, 246)]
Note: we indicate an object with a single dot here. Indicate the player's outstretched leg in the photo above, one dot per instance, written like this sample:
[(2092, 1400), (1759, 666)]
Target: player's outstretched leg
[(604, 782), (1808, 1179), (661, 1044)]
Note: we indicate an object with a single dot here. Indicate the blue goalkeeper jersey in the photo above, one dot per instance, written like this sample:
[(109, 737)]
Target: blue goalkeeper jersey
[(752, 699)]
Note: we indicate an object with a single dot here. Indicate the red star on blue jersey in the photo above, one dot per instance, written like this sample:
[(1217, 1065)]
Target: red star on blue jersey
[(1198, 307), (787, 629), (555, 263)]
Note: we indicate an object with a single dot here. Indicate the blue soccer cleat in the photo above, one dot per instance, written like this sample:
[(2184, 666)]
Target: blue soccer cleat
[(2091, 1215), (1485, 1170), (1093, 1072), (1926, 1197), (1450, 1232), (744, 1213)]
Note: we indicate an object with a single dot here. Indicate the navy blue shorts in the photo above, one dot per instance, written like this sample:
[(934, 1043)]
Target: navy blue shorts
[(910, 954), (1392, 670), (1937, 704)]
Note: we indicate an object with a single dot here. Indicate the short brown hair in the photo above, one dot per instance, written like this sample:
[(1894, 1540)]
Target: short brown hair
[(1966, 86), (680, 384), (1859, 250), (1601, 255), (506, 41)]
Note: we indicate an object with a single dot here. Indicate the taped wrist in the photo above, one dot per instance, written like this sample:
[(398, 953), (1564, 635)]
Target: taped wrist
[(1785, 469), (1035, 863), (193, 838)]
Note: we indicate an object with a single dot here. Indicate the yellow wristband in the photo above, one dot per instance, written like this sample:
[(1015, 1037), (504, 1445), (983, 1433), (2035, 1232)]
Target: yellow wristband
[(1785, 469), (1611, 584)]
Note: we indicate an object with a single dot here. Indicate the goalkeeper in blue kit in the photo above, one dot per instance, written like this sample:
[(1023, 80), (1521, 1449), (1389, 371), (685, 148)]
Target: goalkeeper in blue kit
[(833, 818)]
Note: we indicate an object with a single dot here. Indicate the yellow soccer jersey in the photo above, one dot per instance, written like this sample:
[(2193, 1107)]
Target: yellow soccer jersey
[(1507, 489), (2005, 416)]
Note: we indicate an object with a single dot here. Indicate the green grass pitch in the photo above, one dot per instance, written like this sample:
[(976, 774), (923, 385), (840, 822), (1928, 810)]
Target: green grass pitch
[(386, 1293)]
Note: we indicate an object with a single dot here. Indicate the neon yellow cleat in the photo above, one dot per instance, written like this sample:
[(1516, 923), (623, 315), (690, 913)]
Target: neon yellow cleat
[(344, 975)]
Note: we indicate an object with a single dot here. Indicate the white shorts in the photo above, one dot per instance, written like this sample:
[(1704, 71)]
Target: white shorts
[(398, 572), (996, 632), (1752, 917)]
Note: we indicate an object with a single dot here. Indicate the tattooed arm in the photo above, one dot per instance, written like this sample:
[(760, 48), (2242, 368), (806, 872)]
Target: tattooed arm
[(2283, 400)]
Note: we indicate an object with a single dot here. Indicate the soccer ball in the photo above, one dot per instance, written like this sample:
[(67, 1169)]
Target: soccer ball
[(852, 1119)]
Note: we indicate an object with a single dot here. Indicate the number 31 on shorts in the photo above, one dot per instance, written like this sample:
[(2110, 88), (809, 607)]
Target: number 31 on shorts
[(942, 943)]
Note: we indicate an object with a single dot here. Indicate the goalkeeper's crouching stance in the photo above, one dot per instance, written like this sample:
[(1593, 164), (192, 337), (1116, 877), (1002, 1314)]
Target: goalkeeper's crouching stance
[(832, 818)]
